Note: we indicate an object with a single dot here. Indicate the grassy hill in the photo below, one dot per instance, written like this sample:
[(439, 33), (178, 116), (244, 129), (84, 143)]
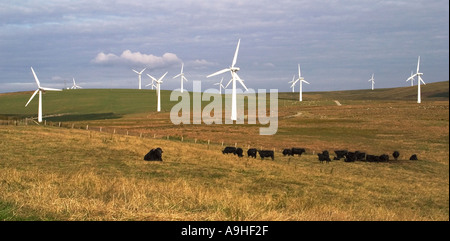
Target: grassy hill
[(52, 173)]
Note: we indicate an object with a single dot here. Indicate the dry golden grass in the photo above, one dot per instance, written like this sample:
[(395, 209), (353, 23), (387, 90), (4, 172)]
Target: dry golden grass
[(49, 173)]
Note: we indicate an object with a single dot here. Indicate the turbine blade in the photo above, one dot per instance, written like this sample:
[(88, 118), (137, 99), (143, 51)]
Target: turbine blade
[(305, 81), (421, 80), (50, 89), (32, 97), (299, 72), (185, 78), (178, 75), (229, 83), (241, 81), (135, 71), (35, 77), (236, 54), (160, 79), (142, 71), (418, 64), (218, 72), (153, 78)]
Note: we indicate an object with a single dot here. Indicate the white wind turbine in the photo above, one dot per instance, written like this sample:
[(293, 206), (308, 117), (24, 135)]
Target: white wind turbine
[(153, 81), (220, 86), (234, 76), (373, 81), (419, 80), (158, 89), (301, 80), (40, 90), (293, 82), (139, 73), (75, 86), (182, 77), (411, 78)]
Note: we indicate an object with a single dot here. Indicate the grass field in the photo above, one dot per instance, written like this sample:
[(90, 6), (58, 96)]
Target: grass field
[(51, 173)]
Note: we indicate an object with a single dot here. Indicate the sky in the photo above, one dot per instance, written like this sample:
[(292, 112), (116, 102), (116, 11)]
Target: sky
[(338, 43)]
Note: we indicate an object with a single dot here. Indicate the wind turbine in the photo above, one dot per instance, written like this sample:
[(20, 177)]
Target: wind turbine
[(234, 76), (411, 78), (220, 86), (75, 86), (419, 79), (182, 77), (40, 89), (158, 89), (293, 83), (139, 73), (152, 83), (373, 81), (301, 80)]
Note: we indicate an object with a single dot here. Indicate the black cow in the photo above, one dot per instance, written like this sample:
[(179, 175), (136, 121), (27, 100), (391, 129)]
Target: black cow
[(360, 156), (154, 155), (384, 158), (396, 154), (324, 156), (413, 158), (264, 154), (298, 151), (340, 154), (252, 152), (287, 152), (350, 157), (239, 152), (372, 158), (236, 151), (229, 149)]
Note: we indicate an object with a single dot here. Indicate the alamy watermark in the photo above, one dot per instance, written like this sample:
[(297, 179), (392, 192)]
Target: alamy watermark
[(213, 113)]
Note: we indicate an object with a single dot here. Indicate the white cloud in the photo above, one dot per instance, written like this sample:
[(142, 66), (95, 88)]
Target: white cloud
[(137, 58)]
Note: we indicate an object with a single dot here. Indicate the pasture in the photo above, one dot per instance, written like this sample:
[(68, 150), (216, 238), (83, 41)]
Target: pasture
[(52, 173)]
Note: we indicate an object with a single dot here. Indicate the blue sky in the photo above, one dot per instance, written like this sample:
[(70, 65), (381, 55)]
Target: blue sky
[(339, 44)]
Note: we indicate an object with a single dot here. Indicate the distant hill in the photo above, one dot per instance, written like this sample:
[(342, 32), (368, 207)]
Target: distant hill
[(432, 91)]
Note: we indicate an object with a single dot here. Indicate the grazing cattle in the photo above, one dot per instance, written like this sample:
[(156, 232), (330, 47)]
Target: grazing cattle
[(324, 156), (340, 154), (413, 158), (396, 154), (298, 151), (264, 154), (372, 158), (154, 155), (239, 152), (384, 158), (229, 149), (252, 152), (360, 156), (236, 151), (350, 157), (287, 152)]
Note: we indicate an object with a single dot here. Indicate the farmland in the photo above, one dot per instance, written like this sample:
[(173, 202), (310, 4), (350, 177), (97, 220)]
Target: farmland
[(52, 173)]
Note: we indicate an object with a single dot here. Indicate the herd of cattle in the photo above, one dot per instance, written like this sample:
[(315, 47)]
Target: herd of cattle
[(324, 156)]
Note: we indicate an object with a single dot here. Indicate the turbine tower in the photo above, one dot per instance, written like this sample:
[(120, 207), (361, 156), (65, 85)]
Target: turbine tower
[(234, 76), (419, 80), (139, 73), (411, 78), (75, 86), (220, 86), (182, 77), (293, 83), (301, 80), (40, 89), (373, 81), (158, 89)]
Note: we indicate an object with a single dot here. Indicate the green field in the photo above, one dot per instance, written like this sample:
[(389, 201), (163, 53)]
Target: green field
[(53, 173)]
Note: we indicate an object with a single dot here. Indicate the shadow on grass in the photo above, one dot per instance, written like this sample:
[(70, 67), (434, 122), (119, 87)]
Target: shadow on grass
[(84, 117)]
